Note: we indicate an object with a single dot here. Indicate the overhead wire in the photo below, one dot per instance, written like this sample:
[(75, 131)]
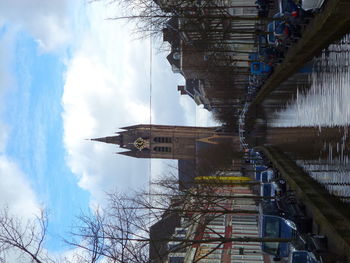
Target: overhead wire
[(150, 116)]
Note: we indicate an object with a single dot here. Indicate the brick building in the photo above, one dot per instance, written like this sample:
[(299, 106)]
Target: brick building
[(216, 225)]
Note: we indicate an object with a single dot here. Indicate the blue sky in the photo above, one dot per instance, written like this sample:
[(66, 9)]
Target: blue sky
[(33, 111), (67, 74)]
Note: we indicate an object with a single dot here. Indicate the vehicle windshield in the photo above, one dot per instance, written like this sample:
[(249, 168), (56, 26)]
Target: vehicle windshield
[(288, 6), (264, 177), (271, 229), (271, 38), (256, 67), (270, 27), (299, 257), (271, 248), (266, 190)]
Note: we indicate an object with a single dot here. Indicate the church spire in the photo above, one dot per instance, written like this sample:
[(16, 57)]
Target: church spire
[(117, 139)]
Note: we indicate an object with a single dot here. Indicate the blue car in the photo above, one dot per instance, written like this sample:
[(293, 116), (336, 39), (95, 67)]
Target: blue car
[(270, 54), (293, 210), (278, 30), (253, 157), (271, 38), (293, 13), (260, 69), (309, 249), (281, 27), (276, 227), (288, 8), (267, 52), (302, 256)]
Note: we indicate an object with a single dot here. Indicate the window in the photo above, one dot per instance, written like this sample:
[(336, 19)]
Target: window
[(271, 228), (162, 139), (162, 149)]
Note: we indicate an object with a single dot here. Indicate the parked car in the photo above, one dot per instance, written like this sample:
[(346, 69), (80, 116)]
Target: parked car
[(273, 225), (278, 31), (288, 8), (271, 38), (282, 29), (265, 176), (270, 55), (266, 53), (260, 57), (293, 210), (309, 248), (254, 81), (261, 69), (270, 184), (302, 256), (285, 31), (271, 189), (261, 40), (294, 15), (252, 156)]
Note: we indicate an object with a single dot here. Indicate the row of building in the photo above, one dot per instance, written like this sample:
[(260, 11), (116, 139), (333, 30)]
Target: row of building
[(210, 231), (210, 42)]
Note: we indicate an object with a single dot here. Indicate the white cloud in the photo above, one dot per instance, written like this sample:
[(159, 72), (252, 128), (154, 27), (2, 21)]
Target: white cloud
[(13, 182), (107, 87), (46, 21), (102, 92)]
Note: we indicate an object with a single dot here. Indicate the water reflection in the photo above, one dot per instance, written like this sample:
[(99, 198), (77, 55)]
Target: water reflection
[(326, 102), (334, 176), (320, 99)]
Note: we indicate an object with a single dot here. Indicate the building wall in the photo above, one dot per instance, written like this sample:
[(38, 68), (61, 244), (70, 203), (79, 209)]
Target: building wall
[(229, 225)]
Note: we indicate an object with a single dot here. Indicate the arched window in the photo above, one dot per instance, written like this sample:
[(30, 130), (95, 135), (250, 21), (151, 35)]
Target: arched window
[(161, 149), (162, 139)]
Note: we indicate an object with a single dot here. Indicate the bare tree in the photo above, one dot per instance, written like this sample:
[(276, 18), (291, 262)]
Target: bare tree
[(111, 233), (24, 239), (151, 16), (121, 232)]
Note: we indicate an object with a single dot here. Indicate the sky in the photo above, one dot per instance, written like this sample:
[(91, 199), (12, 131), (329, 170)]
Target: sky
[(68, 74)]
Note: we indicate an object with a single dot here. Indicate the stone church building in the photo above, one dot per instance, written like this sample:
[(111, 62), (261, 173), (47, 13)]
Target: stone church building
[(165, 141)]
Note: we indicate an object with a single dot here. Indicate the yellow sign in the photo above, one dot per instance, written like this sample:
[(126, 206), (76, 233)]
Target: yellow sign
[(221, 179)]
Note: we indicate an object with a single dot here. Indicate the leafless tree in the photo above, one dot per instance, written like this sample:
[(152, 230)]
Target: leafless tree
[(120, 232), (151, 16), (111, 233), (23, 239)]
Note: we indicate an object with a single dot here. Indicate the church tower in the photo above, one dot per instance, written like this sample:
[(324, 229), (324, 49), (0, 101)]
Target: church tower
[(163, 141)]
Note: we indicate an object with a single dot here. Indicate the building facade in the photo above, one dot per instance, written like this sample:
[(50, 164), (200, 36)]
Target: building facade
[(216, 224), (210, 42)]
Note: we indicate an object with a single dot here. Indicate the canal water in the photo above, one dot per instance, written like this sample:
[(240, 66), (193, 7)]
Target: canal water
[(321, 100)]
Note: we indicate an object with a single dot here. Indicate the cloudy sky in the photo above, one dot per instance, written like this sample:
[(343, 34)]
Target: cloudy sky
[(68, 74)]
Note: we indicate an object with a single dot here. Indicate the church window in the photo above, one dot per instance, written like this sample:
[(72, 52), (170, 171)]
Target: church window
[(162, 139), (162, 149)]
